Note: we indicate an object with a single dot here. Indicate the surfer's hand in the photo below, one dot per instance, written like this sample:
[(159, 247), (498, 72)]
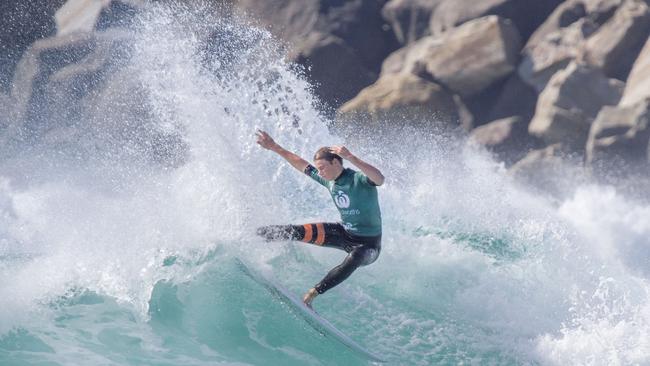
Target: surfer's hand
[(309, 297), (341, 151), (264, 140)]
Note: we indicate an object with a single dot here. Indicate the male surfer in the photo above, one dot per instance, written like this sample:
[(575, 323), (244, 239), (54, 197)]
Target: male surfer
[(355, 196)]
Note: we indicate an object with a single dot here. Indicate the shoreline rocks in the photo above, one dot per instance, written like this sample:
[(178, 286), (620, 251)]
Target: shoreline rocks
[(530, 82)]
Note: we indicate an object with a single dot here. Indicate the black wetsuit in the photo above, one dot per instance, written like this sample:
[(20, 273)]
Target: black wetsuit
[(362, 250), (359, 234)]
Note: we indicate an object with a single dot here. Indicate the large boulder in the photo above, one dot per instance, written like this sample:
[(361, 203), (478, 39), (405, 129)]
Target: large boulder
[(22, 22), (637, 87), (619, 139), (553, 53), (475, 55), (570, 102), (564, 36), (401, 97), (467, 59), (409, 19), (569, 12), (411, 59), (526, 15), (615, 46)]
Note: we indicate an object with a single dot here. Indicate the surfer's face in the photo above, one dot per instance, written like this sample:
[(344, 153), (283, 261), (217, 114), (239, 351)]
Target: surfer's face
[(328, 170)]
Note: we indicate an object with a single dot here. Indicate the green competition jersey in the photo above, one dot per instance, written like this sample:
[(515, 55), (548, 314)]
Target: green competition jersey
[(355, 196)]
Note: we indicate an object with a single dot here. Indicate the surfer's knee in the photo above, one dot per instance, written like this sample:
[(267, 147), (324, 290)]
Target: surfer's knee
[(369, 256)]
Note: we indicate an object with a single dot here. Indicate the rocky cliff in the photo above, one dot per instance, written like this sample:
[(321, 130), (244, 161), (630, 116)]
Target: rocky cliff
[(534, 82)]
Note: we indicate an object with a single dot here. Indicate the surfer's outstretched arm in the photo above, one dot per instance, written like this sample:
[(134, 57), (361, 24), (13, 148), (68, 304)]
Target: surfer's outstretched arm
[(267, 142)]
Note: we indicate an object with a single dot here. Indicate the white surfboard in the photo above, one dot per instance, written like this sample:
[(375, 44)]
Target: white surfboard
[(312, 318)]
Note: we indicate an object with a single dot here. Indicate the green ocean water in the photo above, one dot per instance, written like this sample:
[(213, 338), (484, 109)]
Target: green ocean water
[(222, 316)]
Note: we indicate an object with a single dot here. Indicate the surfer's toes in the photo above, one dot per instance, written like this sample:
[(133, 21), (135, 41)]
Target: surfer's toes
[(309, 297)]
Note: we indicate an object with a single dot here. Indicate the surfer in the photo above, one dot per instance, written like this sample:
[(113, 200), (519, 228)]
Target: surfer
[(355, 195)]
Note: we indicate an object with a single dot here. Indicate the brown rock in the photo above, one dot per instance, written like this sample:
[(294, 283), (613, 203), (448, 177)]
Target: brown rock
[(619, 138), (319, 53), (409, 19), (570, 102), (615, 46), (526, 15), (401, 97), (467, 59), (638, 83), (553, 53), (475, 55), (412, 58), (569, 12), (607, 34), (563, 16)]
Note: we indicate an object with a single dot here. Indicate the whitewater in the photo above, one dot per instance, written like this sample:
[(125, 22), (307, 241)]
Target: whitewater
[(109, 257)]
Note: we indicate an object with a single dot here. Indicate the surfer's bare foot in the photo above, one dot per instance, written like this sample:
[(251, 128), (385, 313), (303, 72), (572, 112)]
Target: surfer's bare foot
[(309, 297)]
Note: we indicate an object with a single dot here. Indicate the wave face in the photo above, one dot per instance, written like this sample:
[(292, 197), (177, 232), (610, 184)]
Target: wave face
[(109, 258)]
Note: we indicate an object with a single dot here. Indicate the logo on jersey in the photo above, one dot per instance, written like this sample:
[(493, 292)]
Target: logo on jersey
[(342, 200)]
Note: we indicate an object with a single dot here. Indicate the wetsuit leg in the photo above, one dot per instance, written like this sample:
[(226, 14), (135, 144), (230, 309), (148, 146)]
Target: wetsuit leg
[(359, 256), (331, 235), (281, 232)]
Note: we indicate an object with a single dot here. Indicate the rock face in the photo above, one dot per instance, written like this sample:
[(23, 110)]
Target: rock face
[(526, 15), (617, 43), (461, 63), (318, 27), (475, 55), (620, 138), (608, 34), (401, 97), (467, 59), (409, 18), (570, 102), (638, 83), (553, 53)]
